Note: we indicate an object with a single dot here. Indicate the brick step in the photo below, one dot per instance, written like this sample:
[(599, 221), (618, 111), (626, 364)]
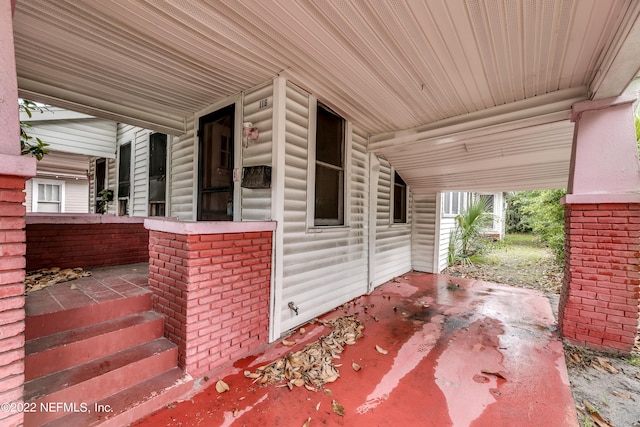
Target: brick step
[(41, 325), (66, 349), (129, 405), (97, 379)]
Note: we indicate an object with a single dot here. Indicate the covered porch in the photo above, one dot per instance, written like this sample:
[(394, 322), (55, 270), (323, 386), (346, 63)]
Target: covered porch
[(462, 96)]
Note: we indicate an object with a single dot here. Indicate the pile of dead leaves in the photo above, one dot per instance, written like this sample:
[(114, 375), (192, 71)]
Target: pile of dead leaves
[(40, 279), (313, 366), (577, 357)]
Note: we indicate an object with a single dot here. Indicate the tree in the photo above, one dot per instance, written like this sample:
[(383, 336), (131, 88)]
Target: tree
[(540, 212), (29, 144)]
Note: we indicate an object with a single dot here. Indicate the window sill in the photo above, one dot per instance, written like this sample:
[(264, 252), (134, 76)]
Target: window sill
[(327, 228)]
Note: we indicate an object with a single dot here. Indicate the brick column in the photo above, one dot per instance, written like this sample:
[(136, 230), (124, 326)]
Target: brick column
[(599, 302), (14, 171), (599, 305), (212, 282)]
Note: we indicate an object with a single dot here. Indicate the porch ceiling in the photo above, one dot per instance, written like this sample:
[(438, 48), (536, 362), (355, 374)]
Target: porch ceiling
[(398, 70)]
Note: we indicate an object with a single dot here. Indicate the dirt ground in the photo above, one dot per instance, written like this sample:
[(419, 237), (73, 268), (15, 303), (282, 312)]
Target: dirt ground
[(605, 387)]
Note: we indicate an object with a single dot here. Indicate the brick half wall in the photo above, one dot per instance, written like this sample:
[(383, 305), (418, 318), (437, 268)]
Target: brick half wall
[(600, 296), (12, 262), (86, 241), (214, 290)]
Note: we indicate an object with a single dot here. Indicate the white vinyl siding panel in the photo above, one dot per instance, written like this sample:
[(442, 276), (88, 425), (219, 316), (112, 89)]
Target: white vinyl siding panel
[(182, 174), (393, 241), (424, 233), (76, 196), (139, 203), (447, 225), (256, 203), (321, 269), (90, 137)]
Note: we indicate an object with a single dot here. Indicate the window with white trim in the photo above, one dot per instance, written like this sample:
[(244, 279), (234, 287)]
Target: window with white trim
[(453, 203), (399, 200), (329, 168), (48, 196)]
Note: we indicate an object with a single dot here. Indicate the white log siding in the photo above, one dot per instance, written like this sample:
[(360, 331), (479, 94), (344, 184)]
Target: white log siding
[(258, 109), (393, 241), (139, 199), (423, 233), (321, 268), (182, 169)]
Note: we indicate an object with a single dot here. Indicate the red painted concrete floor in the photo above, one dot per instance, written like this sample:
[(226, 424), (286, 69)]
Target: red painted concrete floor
[(104, 284), (442, 334)]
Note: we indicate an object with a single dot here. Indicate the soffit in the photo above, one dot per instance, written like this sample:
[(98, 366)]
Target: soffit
[(385, 65)]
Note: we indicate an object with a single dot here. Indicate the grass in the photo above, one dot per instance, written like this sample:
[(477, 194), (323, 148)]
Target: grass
[(634, 360), (518, 260)]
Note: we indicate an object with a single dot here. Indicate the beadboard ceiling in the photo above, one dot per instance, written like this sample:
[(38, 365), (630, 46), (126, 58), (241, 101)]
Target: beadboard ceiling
[(456, 94)]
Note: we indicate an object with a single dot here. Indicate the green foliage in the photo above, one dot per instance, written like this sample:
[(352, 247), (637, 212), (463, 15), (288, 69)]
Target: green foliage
[(104, 197), (540, 212), (29, 144), (466, 239)]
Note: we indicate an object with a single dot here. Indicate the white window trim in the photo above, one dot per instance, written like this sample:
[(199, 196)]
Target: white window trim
[(464, 198), (34, 192), (311, 173), (392, 202)]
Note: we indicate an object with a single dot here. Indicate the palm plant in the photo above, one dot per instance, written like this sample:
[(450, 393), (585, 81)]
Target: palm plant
[(466, 239)]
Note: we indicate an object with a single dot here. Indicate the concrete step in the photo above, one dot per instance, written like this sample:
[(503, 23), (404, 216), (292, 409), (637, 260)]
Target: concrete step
[(96, 380), (127, 406), (53, 322), (63, 350)]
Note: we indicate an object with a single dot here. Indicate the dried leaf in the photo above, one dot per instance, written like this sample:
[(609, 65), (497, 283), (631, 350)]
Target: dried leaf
[(623, 396), (250, 374), (221, 386), (302, 331), (331, 378), (288, 343), (328, 392), (73, 286), (597, 367), (235, 412), (337, 408), (310, 388), (355, 366), (318, 406), (605, 364), (381, 350), (498, 374), (307, 423)]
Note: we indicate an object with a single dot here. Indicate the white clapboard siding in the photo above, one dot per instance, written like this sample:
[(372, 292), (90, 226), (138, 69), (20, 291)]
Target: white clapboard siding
[(393, 241), (90, 137), (258, 109), (76, 196), (139, 203), (182, 172), (92, 185), (424, 233), (447, 225), (321, 270)]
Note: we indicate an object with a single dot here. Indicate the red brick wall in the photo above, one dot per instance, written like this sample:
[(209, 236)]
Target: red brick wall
[(86, 245), (12, 250), (599, 303), (214, 290)]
